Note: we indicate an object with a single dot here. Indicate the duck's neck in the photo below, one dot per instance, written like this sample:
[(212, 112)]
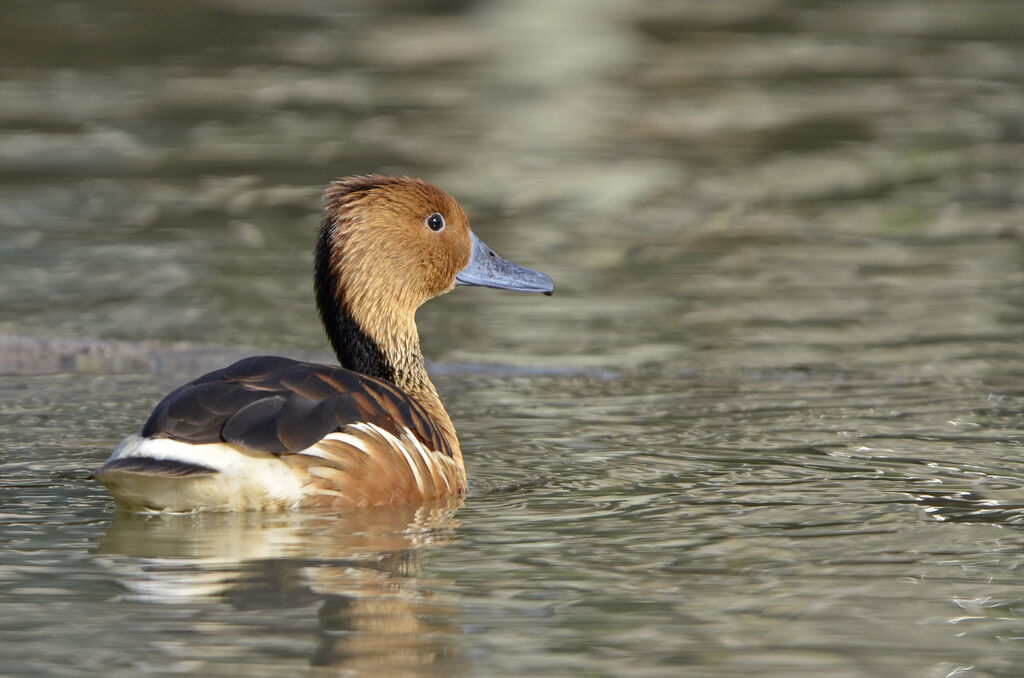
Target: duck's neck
[(384, 344), (410, 374)]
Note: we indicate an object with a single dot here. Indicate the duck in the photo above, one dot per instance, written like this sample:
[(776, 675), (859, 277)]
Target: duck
[(273, 433)]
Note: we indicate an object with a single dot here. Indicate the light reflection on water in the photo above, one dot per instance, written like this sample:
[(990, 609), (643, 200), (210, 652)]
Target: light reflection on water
[(770, 423), (340, 594)]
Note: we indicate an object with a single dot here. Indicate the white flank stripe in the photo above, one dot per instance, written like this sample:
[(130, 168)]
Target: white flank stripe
[(431, 458), (413, 466), (397, 445), (345, 438)]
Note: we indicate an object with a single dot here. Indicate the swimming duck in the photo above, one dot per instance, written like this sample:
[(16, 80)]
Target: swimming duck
[(273, 433)]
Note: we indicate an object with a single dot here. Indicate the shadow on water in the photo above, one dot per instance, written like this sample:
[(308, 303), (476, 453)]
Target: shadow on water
[(341, 594)]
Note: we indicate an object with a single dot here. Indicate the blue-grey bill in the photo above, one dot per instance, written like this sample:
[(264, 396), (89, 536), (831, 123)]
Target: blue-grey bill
[(487, 269)]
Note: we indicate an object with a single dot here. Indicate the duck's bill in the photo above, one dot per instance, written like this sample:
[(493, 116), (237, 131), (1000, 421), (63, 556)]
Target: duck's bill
[(487, 269)]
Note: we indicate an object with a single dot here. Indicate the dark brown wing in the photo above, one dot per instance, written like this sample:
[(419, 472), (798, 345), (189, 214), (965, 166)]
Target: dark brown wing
[(281, 406)]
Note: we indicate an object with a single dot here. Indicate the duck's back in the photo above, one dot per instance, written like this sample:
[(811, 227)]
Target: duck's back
[(271, 432)]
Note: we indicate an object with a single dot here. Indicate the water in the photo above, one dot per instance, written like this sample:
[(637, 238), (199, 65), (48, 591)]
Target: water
[(771, 421)]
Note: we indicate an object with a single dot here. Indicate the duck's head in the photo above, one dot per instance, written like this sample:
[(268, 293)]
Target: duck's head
[(387, 245)]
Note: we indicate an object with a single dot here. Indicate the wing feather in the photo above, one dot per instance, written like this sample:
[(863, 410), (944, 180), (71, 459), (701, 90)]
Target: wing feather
[(280, 406)]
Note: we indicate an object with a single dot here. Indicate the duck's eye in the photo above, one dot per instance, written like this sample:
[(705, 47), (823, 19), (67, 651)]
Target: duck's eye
[(435, 222)]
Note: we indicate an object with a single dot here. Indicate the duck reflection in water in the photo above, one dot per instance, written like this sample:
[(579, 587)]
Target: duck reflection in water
[(341, 593)]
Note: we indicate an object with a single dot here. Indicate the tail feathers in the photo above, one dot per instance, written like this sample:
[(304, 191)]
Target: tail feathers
[(160, 474), (168, 468)]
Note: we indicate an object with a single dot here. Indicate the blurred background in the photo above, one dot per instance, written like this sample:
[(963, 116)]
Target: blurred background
[(162, 165), (770, 421)]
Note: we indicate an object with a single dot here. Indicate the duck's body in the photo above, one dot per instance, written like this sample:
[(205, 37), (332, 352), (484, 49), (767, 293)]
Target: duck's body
[(273, 433)]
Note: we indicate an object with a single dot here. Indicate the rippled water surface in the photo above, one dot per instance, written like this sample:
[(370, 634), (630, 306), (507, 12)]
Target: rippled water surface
[(771, 423)]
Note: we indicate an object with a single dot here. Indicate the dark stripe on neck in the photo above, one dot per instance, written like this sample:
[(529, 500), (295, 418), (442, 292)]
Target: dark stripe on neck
[(355, 349)]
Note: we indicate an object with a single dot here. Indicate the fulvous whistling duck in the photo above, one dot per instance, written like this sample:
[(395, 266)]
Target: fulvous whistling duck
[(274, 433)]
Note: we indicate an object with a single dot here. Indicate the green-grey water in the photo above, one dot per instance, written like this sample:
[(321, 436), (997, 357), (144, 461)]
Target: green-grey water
[(771, 423)]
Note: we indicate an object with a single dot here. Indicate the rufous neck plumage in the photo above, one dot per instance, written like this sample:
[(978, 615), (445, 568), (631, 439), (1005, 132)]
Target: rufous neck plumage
[(368, 314)]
